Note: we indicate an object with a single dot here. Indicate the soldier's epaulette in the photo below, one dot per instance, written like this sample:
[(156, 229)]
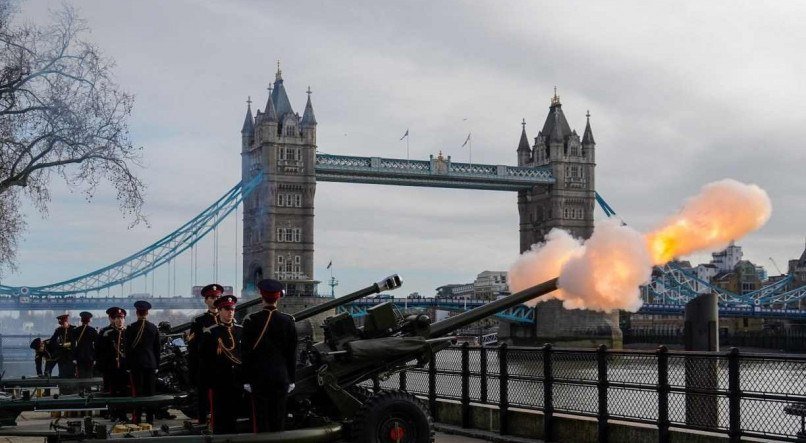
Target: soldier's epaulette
[(207, 329), (108, 331)]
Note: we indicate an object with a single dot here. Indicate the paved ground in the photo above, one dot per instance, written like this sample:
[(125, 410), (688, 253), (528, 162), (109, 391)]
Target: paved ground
[(41, 421)]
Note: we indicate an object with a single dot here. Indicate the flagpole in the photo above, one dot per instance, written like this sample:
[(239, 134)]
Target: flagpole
[(407, 144), (470, 147)]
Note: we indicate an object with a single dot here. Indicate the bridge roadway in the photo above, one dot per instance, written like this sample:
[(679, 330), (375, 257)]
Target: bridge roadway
[(518, 314), (439, 172)]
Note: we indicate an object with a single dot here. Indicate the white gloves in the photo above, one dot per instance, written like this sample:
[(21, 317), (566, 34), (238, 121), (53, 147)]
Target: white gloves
[(248, 387)]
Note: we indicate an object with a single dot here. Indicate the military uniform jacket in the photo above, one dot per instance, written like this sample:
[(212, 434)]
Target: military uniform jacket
[(42, 355), (143, 345), (61, 343), (84, 337), (101, 350), (220, 356), (197, 330), (269, 349), (113, 349)]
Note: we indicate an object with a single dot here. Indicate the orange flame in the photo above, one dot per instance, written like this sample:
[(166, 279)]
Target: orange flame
[(605, 272), (723, 211)]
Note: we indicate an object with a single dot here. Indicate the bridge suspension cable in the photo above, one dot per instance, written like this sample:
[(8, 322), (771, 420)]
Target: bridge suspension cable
[(150, 258)]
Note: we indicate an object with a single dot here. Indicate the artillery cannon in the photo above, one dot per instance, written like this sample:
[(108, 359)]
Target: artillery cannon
[(173, 374), (327, 402), (391, 282)]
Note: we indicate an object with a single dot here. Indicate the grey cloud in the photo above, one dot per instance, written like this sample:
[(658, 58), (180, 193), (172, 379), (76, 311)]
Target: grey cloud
[(681, 94)]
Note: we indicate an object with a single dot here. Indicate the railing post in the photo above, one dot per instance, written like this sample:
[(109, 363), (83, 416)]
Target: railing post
[(465, 385), (402, 380), (734, 397), (483, 374), (432, 386), (503, 382), (601, 363), (548, 400), (663, 394)]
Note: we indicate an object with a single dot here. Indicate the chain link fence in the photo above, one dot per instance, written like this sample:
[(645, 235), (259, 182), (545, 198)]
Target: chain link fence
[(731, 393)]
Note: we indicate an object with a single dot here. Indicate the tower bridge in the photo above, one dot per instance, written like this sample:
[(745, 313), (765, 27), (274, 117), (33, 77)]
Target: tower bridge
[(553, 181)]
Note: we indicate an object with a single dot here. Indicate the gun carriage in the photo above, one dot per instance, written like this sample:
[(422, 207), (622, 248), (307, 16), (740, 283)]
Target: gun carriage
[(327, 403)]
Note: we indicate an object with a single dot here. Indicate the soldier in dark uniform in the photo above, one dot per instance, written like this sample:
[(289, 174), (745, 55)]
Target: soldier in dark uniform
[(61, 347), (42, 353), (84, 338), (112, 359), (143, 357), (102, 351), (209, 318), (220, 352), (269, 358)]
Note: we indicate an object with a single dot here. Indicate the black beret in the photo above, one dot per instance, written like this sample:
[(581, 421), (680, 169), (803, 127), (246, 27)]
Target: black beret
[(115, 311), (60, 317), (142, 305), (85, 314), (228, 300), (270, 285), (212, 290)]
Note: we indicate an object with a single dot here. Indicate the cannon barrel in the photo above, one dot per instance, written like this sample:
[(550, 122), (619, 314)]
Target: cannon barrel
[(443, 327), (391, 282)]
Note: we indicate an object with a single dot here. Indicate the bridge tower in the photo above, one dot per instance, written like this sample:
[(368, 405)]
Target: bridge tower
[(567, 204), (278, 215)]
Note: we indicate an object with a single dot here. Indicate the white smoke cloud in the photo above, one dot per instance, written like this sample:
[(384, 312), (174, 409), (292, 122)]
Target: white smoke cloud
[(605, 272)]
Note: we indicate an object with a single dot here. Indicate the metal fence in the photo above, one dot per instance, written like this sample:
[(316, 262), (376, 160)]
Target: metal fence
[(785, 340), (16, 356), (732, 393)]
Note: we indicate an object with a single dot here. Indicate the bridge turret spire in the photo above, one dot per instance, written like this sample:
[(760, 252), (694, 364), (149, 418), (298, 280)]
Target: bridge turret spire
[(523, 145), (556, 134), (248, 128), (524, 152), (282, 105), (269, 114), (587, 138), (308, 118)]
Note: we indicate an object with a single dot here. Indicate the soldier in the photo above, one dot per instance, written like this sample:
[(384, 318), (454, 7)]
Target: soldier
[(102, 351), (143, 357), (269, 359), (209, 318), (84, 338), (220, 351), (61, 347), (41, 353), (112, 359)]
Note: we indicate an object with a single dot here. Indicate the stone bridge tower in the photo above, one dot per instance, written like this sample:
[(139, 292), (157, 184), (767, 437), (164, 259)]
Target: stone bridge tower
[(567, 204), (278, 215)]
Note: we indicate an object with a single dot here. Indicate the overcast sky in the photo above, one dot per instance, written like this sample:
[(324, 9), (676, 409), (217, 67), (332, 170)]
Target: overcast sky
[(680, 93)]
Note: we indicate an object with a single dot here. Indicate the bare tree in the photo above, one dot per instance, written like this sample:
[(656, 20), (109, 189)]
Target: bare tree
[(61, 116)]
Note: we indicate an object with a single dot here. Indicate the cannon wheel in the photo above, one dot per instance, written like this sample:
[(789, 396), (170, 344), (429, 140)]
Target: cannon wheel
[(393, 416)]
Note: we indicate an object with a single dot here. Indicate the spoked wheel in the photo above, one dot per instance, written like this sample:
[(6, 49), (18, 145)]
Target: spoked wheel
[(393, 417)]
